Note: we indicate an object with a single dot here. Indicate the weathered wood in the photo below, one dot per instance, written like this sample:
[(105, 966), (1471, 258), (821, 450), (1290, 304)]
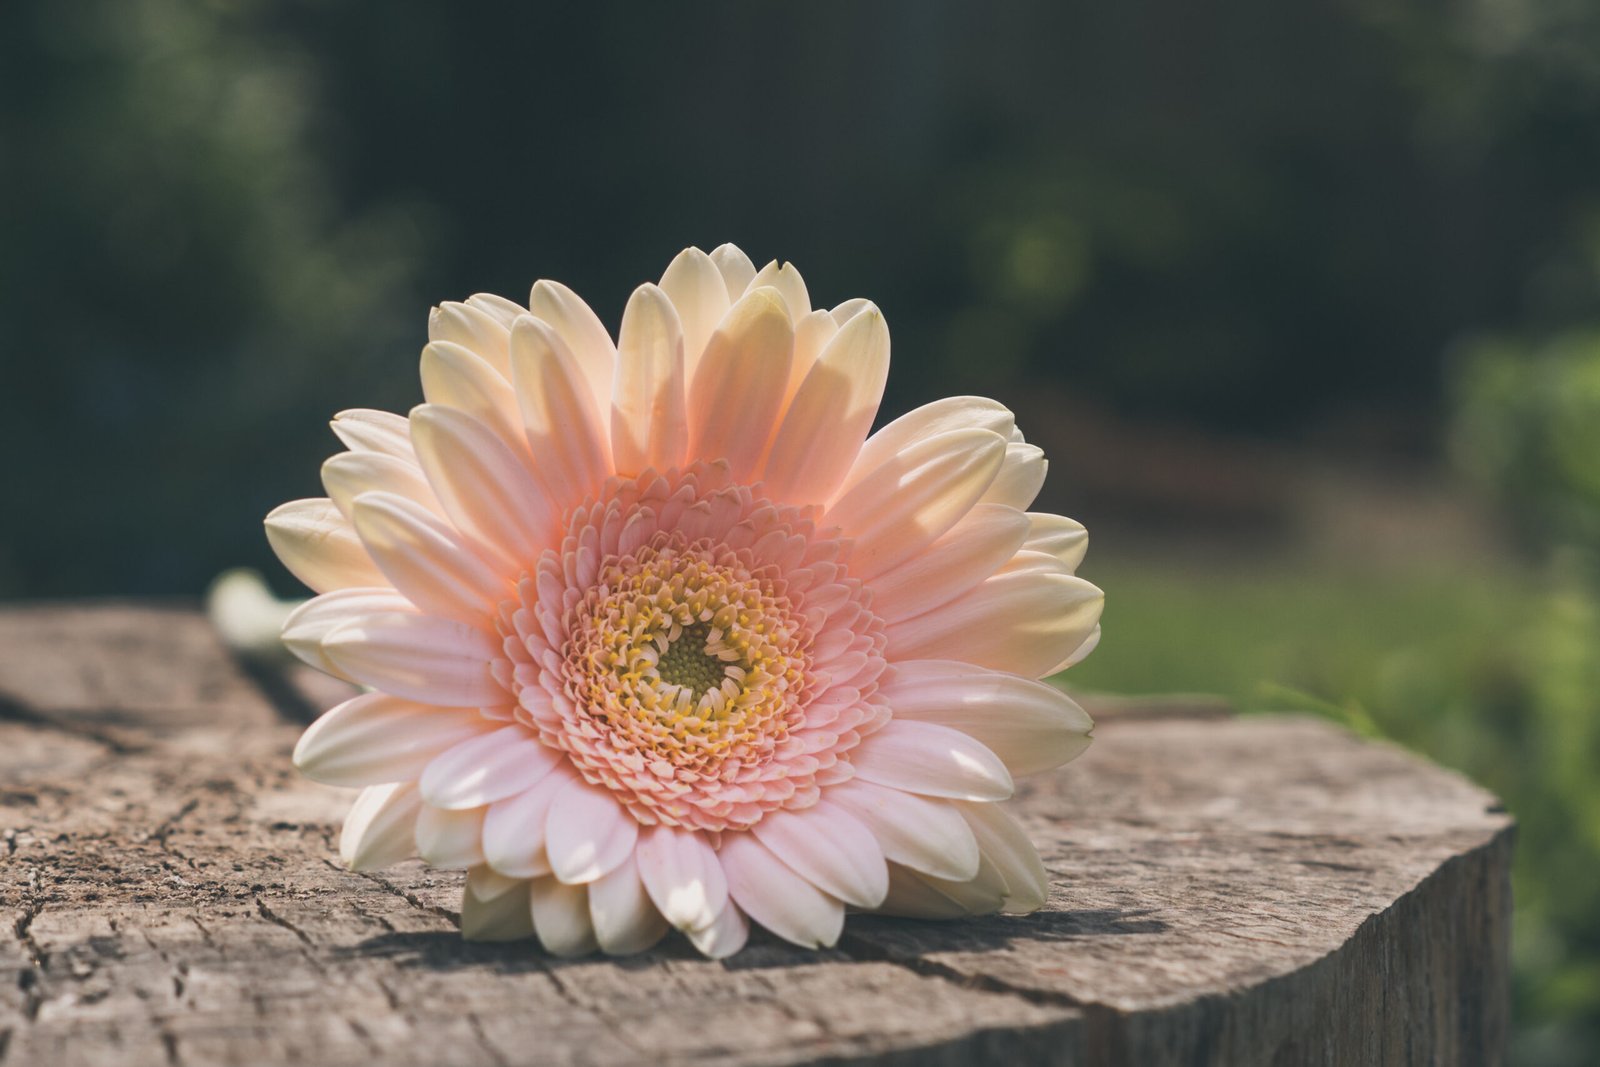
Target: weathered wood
[(1240, 891)]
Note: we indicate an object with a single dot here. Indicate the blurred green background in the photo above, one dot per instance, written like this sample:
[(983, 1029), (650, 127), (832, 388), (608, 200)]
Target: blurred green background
[(1301, 299)]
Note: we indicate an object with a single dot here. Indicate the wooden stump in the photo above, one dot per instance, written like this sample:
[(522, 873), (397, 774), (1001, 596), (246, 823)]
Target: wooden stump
[(1264, 890)]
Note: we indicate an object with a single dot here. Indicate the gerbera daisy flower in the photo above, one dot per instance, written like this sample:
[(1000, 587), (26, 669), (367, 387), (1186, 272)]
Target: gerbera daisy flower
[(658, 636)]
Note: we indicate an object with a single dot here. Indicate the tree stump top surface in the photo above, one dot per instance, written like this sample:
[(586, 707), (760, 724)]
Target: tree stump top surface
[(1239, 890)]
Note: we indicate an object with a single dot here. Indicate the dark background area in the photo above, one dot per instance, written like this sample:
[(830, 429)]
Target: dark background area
[(1300, 298)]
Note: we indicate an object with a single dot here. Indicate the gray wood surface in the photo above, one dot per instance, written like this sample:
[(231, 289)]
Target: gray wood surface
[(1265, 890)]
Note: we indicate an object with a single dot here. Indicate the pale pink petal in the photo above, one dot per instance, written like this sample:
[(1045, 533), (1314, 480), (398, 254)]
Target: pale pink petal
[(787, 281), (487, 768), (914, 898), (649, 424), (453, 377), (320, 547), (935, 761), (900, 508), (1005, 844), (625, 921), (420, 657), (735, 267), (474, 328), (697, 290), (381, 827), (1058, 536), (485, 488), (922, 833), (1031, 726), (739, 385), (1021, 477), (494, 908), (376, 738), (450, 838), (682, 875), (828, 420), (561, 917), (587, 833), (308, 624), (772, 894), (426, 559), (585, 335), (726, 935), (366, 430), (1020, 621), (930, 420), (349, 474), (966, 554), (570, 443), (514, 829), (831, 849)]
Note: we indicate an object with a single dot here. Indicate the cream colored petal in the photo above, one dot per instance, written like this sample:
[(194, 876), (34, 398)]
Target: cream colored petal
[(983, 894), (913, 498), (682, 875), (725, 936), (843, 313), (931, 760), (495, 908), (587, 833), (487, 767), (561, 917), (308, 624), (625, 921), (375, 738), (504, 311), (584, 334), (1058, 536), (1005, 844), (739, 385), (450, 838), (772, 894), (474, 328), (831, 849), (914, 898), (697, 290), (381, 827), (923, 833), (320, 547), (484, 487), (453, 377), (419, 657), (514, 829), (787, 281), (1080, 653), (930, 420), (426, 559), (649, 422), (1023, 621), (571, 443), (829, 418), (365, 430), (811, 335), (966, 554), (349, 474), (1021, 477), (1030, 725), (735, 267)]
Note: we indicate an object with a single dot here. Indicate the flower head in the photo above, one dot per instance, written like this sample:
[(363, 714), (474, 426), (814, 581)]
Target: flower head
[(659, 636)]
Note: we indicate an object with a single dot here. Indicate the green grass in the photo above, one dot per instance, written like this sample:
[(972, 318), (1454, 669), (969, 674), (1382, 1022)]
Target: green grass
[(1492, 671)]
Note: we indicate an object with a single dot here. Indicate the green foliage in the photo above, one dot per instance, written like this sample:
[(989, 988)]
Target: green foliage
[(1491, 671)]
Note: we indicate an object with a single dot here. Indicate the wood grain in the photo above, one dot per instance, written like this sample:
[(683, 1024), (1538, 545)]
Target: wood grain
[(1265, 890)]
